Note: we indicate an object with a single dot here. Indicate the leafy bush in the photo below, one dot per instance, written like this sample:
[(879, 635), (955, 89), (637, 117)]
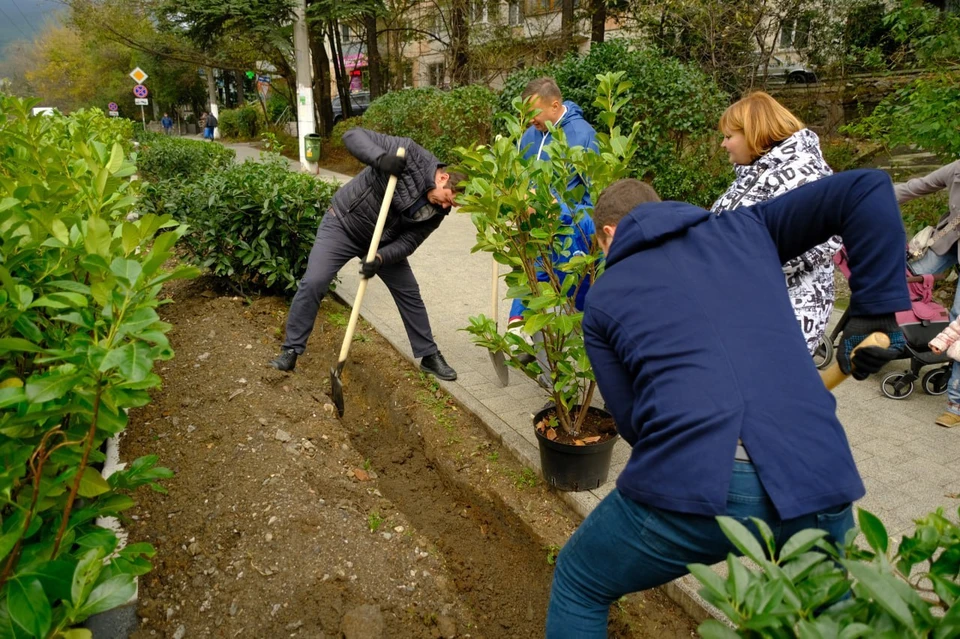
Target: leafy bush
[(253, 223), (164, 157), (244, 123), (79, 336), (676, 104), (512, 201), (341, 127), (437, 120), (808, 589), (923, 211)]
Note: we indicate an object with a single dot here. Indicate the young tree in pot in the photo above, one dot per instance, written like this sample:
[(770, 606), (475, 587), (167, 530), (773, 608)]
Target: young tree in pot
[(527, 218)]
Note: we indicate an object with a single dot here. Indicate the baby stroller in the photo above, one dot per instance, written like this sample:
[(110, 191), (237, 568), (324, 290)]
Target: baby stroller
[(924, 321)]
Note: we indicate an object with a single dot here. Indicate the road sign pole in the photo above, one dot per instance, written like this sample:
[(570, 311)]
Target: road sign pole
[(143, 117)]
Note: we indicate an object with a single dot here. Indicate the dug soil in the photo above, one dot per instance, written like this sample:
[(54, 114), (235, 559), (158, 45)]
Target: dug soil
[(404, 519)]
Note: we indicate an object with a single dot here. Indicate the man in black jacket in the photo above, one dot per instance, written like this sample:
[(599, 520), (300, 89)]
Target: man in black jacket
[(424, 195)]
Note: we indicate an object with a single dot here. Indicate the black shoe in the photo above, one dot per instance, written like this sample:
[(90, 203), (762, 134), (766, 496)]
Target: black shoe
[(286, 360), (438, 367)]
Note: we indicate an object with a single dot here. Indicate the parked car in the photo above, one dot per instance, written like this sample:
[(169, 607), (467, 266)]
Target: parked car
[(360, 102), (789, 72)]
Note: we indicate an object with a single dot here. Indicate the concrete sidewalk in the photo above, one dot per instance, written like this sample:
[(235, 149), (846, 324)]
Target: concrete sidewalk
[(909, 465)]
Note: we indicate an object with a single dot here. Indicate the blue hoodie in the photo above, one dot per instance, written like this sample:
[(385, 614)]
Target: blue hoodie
[(694, 343), (581, 243), (578, 133)]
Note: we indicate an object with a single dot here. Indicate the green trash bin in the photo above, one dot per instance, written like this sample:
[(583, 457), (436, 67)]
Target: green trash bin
[(311, 147)]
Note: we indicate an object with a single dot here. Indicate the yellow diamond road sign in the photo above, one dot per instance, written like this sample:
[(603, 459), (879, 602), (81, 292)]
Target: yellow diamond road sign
[(138, 75)]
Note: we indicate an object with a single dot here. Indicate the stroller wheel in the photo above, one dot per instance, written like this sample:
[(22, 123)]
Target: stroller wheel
[(935, 382), (894, 387), (823, 356)]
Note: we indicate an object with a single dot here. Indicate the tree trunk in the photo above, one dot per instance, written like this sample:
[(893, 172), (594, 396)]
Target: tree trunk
[(598, 21), (459, 44), (212, 96), (339, 70), (241, 97), (566, 25), (374, 69), (227, 77), (321, 82)]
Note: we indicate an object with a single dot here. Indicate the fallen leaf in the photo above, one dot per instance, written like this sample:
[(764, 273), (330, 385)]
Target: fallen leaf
[(361, 475), (578, 442), (551, 434), (234, 394), (591, 440)]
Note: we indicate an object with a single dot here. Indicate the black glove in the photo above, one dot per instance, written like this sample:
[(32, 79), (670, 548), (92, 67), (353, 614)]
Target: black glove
[(392, 164), (369, 269), (871, 359)]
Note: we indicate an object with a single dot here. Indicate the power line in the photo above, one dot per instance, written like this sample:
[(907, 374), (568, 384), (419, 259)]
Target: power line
[(23, 15), (7, 16)]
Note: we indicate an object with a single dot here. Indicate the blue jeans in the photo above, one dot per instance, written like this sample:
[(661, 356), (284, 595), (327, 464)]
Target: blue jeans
[(933, 264), (625, 547)]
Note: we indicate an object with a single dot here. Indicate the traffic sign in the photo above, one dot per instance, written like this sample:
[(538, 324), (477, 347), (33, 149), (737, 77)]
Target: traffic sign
[(138, 75), (141, 101), (112, 106), (140, 91), (114, 114)]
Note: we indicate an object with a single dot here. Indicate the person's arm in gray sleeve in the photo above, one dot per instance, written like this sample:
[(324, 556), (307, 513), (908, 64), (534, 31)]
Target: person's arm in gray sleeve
[(369, 146), (927, 184)]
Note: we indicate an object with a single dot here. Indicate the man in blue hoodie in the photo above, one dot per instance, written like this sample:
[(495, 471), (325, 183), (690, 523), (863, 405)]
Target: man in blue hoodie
[(545, 96), (696, 351)]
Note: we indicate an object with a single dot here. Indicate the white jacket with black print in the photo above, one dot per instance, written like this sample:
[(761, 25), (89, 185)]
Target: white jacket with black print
[(792, 163)]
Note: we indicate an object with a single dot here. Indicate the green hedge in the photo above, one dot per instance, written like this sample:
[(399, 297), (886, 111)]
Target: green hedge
[(253, 223), (163, 157), (440, 121), (244, 123), (678, 107)]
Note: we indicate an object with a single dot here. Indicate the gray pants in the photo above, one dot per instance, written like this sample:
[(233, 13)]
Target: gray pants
[(332, 249)]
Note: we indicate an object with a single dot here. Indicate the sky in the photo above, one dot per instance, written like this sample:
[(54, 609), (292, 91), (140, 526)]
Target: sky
[(22, 19)]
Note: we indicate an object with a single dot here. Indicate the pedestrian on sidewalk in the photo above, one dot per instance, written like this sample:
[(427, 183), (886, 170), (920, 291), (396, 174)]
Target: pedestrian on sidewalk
[(772, 153), (424, 196), (703, 368), (210, 123), (940, 255), (167, 122)]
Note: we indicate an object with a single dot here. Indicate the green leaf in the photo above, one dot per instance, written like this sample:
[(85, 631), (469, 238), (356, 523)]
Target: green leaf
[(536, 322), (76, 633), (28, 606), (800, 543), (878, 586), (127, 270), (116, 158), (132, 360), (97, 238), (8, 202), (86, 572), (742, 538), (17, 344), (114, 592), (713, 629), (138, 320), (709, 579), (130, 238), (92, 483), (54, 385), (61, 300), (873, 530)]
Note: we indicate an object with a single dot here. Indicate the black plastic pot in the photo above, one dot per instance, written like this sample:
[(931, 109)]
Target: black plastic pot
[(574, 468)]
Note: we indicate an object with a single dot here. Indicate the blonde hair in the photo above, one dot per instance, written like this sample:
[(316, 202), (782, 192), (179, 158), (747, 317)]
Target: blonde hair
[(763, 121)]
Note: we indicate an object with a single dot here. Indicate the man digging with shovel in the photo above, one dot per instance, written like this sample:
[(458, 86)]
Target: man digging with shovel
[(696, 351), (424, 194)]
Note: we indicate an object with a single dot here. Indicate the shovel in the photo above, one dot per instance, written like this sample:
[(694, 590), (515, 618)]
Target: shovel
[(499, 362), (336, 385), (832, 376)]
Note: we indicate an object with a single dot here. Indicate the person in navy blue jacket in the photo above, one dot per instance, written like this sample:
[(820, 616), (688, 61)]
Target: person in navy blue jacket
[(566, 115), (696, 352)]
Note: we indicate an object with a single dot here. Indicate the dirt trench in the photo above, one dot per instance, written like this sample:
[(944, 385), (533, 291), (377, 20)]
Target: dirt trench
[(404, 519)]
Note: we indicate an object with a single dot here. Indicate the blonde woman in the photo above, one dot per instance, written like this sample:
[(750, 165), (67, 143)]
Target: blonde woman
[(772, 153)]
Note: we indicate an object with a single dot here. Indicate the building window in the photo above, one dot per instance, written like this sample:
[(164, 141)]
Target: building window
[(436, 74), (346, 33), (478, 11), (514, 13), (407, 73), (535, 7), (795, 32)]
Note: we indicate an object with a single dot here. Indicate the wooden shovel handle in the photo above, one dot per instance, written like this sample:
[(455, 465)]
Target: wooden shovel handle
[(833, 375)]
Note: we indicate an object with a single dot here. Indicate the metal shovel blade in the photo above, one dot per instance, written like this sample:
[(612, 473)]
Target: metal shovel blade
[(500, 366), (336, 388)]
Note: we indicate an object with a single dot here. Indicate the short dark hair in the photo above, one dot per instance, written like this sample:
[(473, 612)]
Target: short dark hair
[(618, 199), (545, 88), (458, 181)]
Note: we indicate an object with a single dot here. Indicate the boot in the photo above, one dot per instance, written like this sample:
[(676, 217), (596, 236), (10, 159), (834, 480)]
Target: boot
[(286, 360), (438, 367)]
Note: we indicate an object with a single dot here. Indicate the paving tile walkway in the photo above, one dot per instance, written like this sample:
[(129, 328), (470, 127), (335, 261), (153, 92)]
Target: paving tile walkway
[(910, 466)]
